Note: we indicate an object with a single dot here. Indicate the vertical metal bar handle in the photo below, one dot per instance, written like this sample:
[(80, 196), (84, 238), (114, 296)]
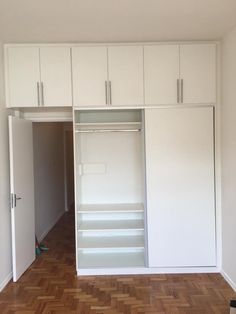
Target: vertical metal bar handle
[(178, 91), (106, 93), (110, 94), (38, 97), (42, 93), (182, 90)]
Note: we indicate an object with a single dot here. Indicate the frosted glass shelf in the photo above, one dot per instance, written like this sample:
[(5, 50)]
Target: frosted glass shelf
[(100, 225), (108, 260), (108, 116), (111, 242), (98, 208)]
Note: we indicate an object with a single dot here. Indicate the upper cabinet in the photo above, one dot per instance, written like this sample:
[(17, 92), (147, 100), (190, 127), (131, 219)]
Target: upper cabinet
[(89, 67), (125, 73), (104, 75), (55, 66), (23, 76), (37, 77), (108, 76), (161, 73), (198, 73), (180, 74)]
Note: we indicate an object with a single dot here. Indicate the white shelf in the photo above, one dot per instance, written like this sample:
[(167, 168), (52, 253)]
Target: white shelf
[(96, 260), (102, 208), (111, 242), (101, 225)]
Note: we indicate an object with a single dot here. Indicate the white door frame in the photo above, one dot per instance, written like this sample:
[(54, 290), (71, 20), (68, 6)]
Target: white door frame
[(65, 130)]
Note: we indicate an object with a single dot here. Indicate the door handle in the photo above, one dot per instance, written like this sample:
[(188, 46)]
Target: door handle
[(182, 90), (42, 93), (178, 98), (38, 97), (14, 198), (110, 94), (106, 93)]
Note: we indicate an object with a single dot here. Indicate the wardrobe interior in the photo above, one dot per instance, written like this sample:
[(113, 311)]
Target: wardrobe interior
[(110, 181)]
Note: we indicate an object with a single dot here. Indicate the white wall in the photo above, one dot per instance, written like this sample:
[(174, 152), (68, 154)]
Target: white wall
[(229, 156), (5, 235), (49, 175), (106, 20)]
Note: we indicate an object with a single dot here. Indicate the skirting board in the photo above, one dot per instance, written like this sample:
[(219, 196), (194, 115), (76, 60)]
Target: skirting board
[(5, 281), (145, 271), (230, 282), (49, 228)]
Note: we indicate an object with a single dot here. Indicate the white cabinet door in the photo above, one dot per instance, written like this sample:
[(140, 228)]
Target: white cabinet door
[(125, 67), (161, 74), (198, 72), (89, 66), (56, 76), (180, 187), (22, 195), (23, 76)]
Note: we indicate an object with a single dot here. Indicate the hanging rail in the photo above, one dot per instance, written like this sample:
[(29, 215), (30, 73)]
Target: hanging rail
[(107, 130)]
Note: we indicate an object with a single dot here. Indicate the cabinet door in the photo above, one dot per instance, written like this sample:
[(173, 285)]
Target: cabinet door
[(198, 72), (180, 187), (56, 76), (22, 76), (89, 66), (125, 65), (161, 74)]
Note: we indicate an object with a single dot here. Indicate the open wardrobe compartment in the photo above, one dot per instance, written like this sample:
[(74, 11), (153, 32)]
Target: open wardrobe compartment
[(110, 185)]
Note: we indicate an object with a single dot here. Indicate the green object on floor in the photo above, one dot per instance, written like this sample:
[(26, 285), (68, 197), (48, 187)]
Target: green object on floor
[(43, 247), (39, 248)]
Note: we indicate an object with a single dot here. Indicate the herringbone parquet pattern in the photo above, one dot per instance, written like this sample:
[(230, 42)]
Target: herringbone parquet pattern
[(51, 286)]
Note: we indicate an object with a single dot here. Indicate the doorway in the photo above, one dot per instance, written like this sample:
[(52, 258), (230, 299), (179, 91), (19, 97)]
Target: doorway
[(41, 184), (53, 174)]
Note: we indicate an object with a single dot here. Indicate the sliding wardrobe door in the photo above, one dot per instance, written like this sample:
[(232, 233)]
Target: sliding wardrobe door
[(180, 187)]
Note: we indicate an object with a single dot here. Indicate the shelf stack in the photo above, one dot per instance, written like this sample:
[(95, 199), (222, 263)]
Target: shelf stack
[(111, 235)]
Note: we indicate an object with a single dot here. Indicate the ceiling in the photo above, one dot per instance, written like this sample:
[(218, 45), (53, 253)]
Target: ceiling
[(114, 20)]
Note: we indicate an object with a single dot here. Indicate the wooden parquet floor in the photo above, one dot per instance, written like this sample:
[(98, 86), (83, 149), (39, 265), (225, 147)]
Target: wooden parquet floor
[(51, 286)]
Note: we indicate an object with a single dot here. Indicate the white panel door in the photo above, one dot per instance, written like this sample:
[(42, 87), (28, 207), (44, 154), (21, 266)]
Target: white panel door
[(161, 74), (180, 187), (56, 89), (22, 185), (23, 76), (125, 68), (89, 66), (198, 72)]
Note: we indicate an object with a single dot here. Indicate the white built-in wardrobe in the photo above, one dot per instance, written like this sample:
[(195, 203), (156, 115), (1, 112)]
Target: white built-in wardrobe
[(144, 148), (145, 188)]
